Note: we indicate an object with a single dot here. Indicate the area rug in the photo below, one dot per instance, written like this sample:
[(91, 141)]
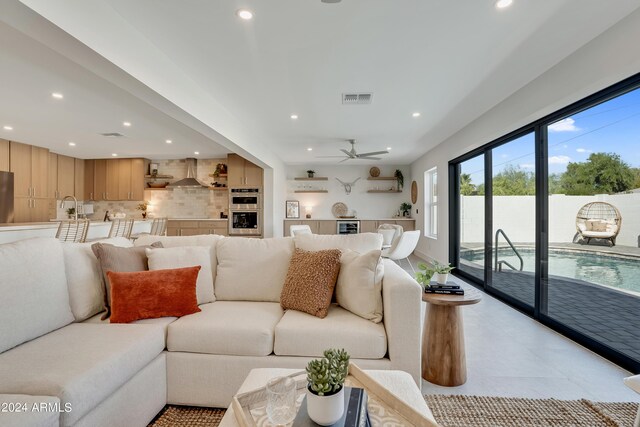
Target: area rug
[(480, 411), (465, 411)]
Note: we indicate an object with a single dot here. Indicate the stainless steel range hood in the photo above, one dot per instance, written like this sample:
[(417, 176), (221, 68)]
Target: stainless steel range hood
[(190, 181)]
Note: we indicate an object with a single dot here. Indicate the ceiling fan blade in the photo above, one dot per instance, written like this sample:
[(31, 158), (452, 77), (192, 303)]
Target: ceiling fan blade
[(348, 153), (373, 153), (369, 158), (341, 161)]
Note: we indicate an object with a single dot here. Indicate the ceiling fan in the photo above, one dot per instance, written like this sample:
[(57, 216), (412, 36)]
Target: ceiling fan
[(353, 155)]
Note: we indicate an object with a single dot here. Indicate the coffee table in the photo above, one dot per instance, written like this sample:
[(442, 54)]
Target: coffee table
[(398, 382), (443, 355)]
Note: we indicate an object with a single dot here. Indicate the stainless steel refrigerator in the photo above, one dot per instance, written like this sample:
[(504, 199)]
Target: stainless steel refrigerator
[(6, 197)]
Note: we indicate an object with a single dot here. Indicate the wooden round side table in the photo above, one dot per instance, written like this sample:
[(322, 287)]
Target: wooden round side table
[(443, 356)]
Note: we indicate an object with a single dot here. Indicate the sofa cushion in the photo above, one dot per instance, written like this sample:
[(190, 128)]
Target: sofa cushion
[(359, 287), (301, 334), (151, 294), (81, 364), (208, 240), (84, 277), (161, 322), (48, 417), (239, 328), (186, 256), (34, 298), (362, 242), (252, 269)]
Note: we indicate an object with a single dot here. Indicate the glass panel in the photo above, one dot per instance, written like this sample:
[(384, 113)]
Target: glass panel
[(514, 219), (594, 259), (471, 180)]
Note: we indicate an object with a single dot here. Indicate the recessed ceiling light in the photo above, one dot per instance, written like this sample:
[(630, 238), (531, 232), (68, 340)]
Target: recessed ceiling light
[(72, 144), (294, 117), (501, 4), (416, 114), (57, 95), (388, 148), (127, 124), (244, 14), (168, 141), (114, 155), (309, 149), (7, 127), (196, 152)]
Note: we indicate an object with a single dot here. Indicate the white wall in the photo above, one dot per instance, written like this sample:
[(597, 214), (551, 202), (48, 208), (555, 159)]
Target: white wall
[(367, 205), (609, 58)]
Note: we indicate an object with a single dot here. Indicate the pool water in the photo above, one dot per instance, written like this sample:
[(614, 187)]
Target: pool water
[(614, 271)]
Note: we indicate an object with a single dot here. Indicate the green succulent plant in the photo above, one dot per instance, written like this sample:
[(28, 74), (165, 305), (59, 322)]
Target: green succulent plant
[(326, 376)]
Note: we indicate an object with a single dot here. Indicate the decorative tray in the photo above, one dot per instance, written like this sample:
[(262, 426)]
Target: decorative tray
[(385, 408), (347, 216)]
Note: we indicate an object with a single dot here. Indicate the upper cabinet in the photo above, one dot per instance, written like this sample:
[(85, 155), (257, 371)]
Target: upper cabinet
[(66, 176), (115, 179), (89, 172), (4, 155), (30, 166), (39, 171), (78, 186), (52, 181), (243, 173)]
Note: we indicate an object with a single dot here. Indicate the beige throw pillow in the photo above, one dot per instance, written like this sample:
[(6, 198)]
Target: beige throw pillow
[(119, 260), (359, 287), (310, 281), (186, 256)]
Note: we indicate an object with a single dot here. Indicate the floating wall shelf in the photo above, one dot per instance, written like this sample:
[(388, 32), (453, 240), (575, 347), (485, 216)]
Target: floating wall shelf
[(384, 191), (311, 191), (381, 178), (317, 178), (159, 176)]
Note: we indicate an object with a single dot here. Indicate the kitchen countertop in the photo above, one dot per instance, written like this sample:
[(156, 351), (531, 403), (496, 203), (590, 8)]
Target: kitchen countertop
[(347, 219)]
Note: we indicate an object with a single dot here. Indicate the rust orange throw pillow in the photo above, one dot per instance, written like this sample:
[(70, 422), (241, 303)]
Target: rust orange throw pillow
[(310, 281), (151, 294)]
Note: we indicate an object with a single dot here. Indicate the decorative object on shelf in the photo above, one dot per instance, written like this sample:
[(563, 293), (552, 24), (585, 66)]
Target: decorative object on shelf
[(405, 208), (158, 184), (374, 171), (153, 169), (221, 169), (414, 192), (442, 272), (308, 211), (400, 177), (143, 207), (339, 210), (310, 173), (325, 391), (292, 209), (424, 274), (347, 185)]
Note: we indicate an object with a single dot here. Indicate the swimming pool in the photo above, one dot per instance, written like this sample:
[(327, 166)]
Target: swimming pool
[(609, 270)]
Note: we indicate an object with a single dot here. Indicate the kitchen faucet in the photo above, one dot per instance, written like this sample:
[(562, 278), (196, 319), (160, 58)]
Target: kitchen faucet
[(75, 205)]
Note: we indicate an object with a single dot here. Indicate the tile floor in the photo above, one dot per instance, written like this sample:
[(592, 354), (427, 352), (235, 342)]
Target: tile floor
[(512, 355)]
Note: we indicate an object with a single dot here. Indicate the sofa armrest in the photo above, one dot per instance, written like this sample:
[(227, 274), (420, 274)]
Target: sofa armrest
[(401, 298)]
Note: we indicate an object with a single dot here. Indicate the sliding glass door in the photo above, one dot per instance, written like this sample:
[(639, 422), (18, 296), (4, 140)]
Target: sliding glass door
[(471, 217)]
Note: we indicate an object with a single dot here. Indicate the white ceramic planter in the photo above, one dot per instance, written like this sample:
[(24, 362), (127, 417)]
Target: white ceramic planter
[(325, 410), (441, 278)]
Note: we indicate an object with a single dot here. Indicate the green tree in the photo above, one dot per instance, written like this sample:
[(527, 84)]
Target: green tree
[(636, 182), (555, 184), (467, 188), (602, 173), (513, 181)]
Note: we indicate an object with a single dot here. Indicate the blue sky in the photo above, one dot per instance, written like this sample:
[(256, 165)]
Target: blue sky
[(611, 127)]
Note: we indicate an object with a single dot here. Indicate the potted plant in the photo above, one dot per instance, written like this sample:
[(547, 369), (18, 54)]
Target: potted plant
[(398, 176), (424, 275), (405, 208), (71, 212), (442, 272), (325, 389), (310, 173), (143, 207)]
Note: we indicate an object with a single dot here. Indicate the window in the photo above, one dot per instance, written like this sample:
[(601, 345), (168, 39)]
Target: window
[(431, 203)]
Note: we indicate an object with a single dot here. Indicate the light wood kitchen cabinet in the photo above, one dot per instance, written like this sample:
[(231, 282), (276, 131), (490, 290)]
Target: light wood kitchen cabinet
[(78, 186), (112, 180), (242, 172), (368, 226), (39, 172), (89, 170), (124, 179), (138, 170), (20, 155), (52, 181), (100, 179), (329, 226), (26, 209), (4, 155), (66, 176), (194, 228)]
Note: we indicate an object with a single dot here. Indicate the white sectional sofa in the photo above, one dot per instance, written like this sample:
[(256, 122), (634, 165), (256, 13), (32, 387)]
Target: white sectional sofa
[(56, 353)]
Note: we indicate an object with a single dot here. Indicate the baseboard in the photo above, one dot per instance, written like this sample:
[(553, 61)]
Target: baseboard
[(424, 256)]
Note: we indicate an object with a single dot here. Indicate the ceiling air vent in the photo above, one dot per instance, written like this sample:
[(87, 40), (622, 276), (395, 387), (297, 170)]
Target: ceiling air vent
[(112, 135), (356, 98)]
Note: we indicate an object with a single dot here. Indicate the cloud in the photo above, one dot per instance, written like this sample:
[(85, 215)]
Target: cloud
[(559, 160), (504, 156), (527, 166), (584, 150), (564, 125)]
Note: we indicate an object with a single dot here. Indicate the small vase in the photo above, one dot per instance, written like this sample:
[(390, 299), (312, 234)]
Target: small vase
[(441, 278), (144, 215), (325, 410), (310, 175)]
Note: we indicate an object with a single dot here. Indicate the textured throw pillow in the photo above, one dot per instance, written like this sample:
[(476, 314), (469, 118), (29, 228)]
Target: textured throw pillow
[(599, 226), (359, 286), (113, 258), (310, 281), (186, 256), (152, 294)]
